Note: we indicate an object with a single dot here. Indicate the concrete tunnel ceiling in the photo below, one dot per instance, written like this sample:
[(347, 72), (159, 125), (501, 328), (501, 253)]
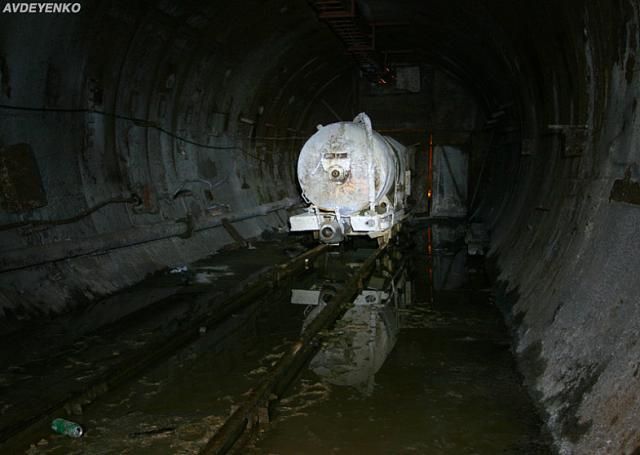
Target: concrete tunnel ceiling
[(206, 106)]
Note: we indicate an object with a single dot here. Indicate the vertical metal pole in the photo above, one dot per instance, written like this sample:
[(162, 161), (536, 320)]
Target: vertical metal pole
[(430, 175), (430, 262)]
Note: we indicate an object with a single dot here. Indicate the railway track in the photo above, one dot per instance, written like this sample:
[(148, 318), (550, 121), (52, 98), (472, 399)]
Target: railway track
[(254, 412), (250, 383), (255, 409), (24, 431)]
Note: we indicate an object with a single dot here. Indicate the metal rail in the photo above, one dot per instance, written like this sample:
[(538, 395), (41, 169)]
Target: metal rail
[(255, 409), (25, 430)]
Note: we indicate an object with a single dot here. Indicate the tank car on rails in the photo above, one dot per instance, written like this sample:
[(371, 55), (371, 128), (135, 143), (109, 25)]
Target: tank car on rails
[(356, 182)]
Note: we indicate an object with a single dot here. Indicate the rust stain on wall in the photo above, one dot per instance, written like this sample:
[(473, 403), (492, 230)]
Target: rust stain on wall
[(20, 182)]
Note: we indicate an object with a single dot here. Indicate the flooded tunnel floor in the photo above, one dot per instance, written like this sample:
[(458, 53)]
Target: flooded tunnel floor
[(180, 403), (72, 351), (449, 386)]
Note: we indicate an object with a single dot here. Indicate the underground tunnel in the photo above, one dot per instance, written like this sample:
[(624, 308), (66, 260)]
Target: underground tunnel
[(156, 296)]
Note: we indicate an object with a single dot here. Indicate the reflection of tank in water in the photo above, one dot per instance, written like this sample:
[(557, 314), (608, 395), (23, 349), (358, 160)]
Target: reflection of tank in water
[(361, 342), (363, 338), (356, 181)]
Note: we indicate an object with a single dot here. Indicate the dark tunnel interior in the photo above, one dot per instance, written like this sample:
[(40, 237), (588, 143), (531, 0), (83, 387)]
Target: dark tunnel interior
[(132, 133)]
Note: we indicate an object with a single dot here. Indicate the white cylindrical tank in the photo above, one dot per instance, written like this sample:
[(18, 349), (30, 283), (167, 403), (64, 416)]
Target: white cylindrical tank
[(334, 171)]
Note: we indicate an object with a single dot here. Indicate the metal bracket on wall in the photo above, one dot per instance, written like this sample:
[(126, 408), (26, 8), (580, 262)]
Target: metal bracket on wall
[(572, 139), (233, 232), (625, 189)]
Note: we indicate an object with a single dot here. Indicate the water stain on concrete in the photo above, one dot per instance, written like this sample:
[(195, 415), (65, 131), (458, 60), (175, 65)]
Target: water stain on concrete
[(572, 396)]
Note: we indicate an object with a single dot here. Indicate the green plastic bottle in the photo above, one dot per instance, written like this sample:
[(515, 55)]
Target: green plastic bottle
[(66, 427)]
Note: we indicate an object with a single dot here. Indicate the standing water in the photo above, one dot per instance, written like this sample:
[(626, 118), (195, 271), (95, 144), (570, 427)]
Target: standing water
[(448, 386), (430, 374)]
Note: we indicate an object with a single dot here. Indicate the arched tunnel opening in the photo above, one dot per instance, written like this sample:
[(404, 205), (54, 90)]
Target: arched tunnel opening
[(149, 171)]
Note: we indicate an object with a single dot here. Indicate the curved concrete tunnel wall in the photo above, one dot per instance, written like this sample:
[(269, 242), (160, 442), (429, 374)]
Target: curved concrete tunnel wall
[(564, 249), (215, 80)]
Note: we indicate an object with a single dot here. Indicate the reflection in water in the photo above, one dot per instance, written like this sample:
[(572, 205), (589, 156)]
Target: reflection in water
[(448, 256), (362, 339), (448, 386), (358, 347)]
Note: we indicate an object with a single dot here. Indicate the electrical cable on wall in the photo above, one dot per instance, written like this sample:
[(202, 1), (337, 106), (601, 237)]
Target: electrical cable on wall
[(143, 123), (138, 122), (116, 200)]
